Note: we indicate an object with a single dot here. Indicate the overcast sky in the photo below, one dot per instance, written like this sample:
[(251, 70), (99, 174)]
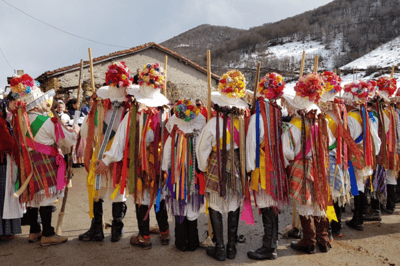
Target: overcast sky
[(35, 47)]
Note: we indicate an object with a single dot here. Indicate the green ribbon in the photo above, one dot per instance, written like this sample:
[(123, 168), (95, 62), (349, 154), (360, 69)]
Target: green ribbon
[(37, 124)]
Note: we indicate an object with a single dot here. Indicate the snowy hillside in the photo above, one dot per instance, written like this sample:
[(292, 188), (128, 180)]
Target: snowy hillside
[(386, 55)]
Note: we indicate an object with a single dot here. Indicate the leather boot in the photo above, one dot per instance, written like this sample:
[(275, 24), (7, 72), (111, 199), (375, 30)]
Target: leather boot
[(321, 230), (162, 220), (217, 252), (95, 232), (193, 235), (118, 212), (35, 232), (270, 239), (357, 221), (391, 199), (143, 238), (308, 242), (233, 224), (181, 233), (49, 237)]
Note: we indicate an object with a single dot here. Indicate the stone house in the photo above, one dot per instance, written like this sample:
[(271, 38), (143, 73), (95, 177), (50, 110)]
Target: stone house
[(184, 77)]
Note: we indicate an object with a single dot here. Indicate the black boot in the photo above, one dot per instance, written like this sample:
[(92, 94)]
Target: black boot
[(270, 239), (193, 235), (34, 230), (95, 232), (374, 214), (143, 238), (162, 220), (357, 221), (217, 252), (391, 199), (46, 213), (118, 212), (337, 226), (181, 233), (233, 224)]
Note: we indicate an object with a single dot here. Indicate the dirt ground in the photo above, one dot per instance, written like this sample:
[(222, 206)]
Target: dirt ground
[(379, 244)]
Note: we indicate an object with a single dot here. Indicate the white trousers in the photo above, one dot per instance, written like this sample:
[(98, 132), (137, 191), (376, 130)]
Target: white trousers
[(264, 200), (218, 204), (107, 191)]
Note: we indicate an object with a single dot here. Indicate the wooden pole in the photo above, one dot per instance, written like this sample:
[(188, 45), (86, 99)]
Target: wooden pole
[(209, 84), (303, 58), (165, 69), (316, 64), (335, 71), (392, 73), (255, 85), (70, 159), (91, 71)]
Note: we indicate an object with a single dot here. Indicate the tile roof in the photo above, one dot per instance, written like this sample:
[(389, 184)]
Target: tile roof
[(132, 50)]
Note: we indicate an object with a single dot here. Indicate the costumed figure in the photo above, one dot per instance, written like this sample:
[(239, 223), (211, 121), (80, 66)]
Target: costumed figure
[(386, 117), (305, 145), (185, 185), (11, 210), (362, 160), (140, 153), (220, 153), (99, 129), (338, 179), (265, 161), (42, 167)]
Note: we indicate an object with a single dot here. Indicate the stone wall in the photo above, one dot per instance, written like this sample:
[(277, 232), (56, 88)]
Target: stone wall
[(183, 80)]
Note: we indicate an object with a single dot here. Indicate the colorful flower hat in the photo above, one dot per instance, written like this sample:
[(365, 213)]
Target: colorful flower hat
[(26, 89), (152, 75), (233, 84), (186, 110), (310, 87), (118, 75), (332, 85), (360, 90), (387, 87), (271, 86)]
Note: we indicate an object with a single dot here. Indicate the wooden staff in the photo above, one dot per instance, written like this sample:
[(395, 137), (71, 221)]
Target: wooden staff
[(255, 85), (209, 84), (392, 73), (91, 71), (70, 159), (340, 74), (165, 69), (316, 64), (303, 58), (335, 71)]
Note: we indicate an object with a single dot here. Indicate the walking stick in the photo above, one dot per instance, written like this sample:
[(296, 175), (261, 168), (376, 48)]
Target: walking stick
[(70, 159), (165, 71), (255, 86)]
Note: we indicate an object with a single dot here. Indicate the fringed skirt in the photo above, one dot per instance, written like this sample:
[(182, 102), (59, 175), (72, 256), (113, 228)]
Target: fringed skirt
[(339, 182), (9, 226), (376, 186), (302, 191)]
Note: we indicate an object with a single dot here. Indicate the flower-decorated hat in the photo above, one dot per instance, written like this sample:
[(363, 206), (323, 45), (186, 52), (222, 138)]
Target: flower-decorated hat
[(151, 81), (360, 91), (25, 89), (186, 110), (231, 88), (118, 78), (271, 86), (309, 90), (386, 87), (187, 117), (332, 85)]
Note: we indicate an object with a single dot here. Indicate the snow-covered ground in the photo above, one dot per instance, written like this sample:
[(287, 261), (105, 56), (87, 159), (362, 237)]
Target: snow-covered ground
[(386, 55)]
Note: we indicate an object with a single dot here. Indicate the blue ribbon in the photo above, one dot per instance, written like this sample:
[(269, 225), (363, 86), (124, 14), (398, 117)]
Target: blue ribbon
[(158, 200), (257, 135), (353, 181)]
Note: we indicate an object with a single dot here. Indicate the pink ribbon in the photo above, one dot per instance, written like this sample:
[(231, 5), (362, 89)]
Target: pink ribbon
[(235, 134), (247, 213), (51, 151), (59, 132)]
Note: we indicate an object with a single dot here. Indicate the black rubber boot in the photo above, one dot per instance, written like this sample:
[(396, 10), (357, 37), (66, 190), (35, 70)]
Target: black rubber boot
[(95, 232), (391, 199), (193, 235), (217, 252), (337, 226), (32, 214), (118, 212), (181, 233), (270, 239), (162, 221), (46, 213), (233, 224), (357, 221)]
